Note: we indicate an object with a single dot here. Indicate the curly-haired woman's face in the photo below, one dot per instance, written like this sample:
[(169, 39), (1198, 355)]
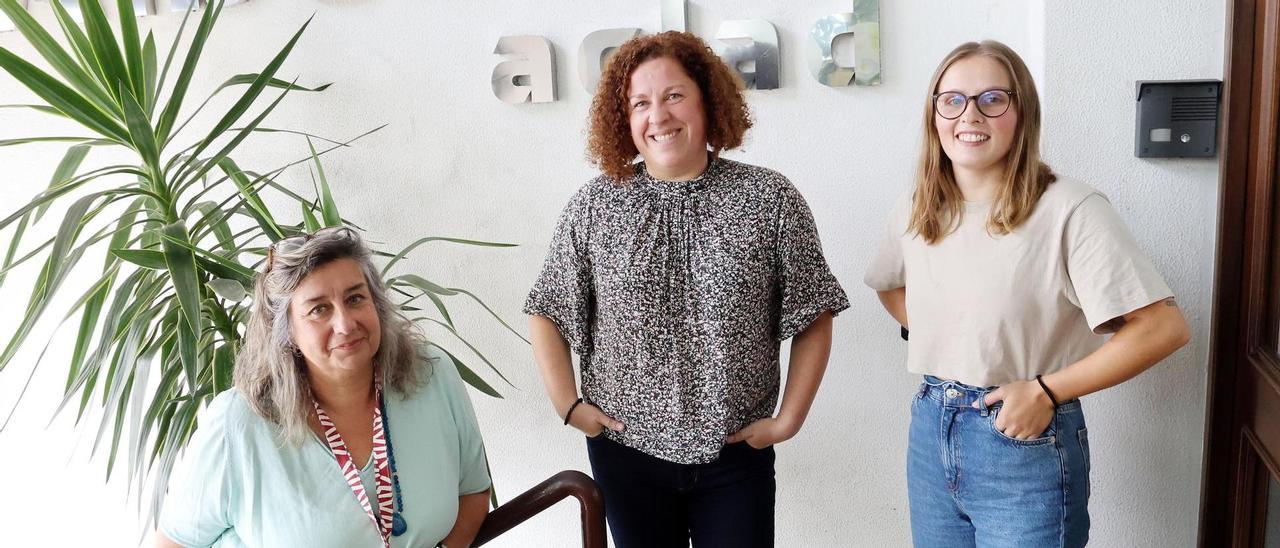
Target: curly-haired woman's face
[(334, 321), (668, 122)]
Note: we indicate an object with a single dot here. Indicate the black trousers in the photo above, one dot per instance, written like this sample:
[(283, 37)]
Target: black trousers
[(653, 503)]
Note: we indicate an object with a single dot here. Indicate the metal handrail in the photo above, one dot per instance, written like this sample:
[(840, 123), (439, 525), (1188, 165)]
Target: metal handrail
[(542, 496)]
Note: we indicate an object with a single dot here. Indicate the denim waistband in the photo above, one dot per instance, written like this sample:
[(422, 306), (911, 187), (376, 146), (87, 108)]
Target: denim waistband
[(957, 394), (952, 393)]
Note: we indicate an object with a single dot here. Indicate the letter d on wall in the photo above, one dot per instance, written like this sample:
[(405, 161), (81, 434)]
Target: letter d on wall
[(529, 72), (864, 25)]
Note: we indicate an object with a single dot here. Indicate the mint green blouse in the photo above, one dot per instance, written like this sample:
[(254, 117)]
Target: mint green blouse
[(239, 486)]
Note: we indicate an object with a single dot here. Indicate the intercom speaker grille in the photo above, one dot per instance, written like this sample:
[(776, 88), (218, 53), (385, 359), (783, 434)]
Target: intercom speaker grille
[(1189, 109)]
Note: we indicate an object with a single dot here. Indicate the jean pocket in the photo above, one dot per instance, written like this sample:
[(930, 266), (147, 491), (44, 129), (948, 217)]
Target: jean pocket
[(1045, 438), (598, 436)]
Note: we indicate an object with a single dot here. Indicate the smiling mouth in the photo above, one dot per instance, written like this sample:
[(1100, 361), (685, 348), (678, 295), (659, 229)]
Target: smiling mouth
[(972, 137), (662, 138)]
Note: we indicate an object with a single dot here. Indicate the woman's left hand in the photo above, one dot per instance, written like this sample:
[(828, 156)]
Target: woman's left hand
[(763, 433), (1026, 412)]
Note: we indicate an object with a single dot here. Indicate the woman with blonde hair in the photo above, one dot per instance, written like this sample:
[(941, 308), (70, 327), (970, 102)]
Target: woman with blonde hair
[(1008, 276), (675, 279), (301, 451)]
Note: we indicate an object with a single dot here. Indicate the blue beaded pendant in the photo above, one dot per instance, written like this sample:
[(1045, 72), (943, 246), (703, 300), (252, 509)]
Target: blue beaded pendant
[(398, 526)]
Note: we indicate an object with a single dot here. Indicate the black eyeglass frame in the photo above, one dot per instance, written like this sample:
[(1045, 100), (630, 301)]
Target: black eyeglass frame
[(974, 99), (271, 249)]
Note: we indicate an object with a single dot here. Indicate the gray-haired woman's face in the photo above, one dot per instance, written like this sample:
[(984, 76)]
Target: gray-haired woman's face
[(333, 318)]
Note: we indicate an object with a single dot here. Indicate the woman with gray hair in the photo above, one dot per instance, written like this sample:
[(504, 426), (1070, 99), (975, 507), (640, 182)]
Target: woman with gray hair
[(301, 452)]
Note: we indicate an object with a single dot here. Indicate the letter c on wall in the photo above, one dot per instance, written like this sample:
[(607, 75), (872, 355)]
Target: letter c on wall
[(595, 51), (529, 59)]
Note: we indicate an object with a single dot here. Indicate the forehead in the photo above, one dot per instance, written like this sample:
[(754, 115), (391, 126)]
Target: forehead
[(975, 74), (332, 278), (657, 74)]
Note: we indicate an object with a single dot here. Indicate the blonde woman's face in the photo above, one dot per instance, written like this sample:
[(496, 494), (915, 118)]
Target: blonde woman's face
[(975, 143), (334, 321)]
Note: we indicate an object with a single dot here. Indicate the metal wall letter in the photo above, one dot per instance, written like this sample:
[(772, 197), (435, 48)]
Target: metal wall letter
[(762, 49), (531, 59), (674, 15), (181, 6), (595, 51), (864, 24)]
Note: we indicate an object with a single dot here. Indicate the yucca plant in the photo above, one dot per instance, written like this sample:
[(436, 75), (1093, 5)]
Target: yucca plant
[(160, 327)]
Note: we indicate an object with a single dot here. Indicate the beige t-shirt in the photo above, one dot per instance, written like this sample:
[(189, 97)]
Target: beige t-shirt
[(987, 310)]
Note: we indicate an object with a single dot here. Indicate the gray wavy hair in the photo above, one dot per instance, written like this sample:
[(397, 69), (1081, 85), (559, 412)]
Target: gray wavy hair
[(268, 373)]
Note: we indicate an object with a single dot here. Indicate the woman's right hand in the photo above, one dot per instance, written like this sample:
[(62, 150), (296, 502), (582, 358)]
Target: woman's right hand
[(592, 421)]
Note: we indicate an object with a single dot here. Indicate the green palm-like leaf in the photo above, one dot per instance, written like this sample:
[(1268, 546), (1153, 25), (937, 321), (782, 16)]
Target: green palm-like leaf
[(468, 375), (181, 263), (249, 192), (250, 95), (53, 53), (65, 171), (66, 168), (179, 93), (132, 49), (140, 132), (27, 140), (149, 73), (328, 209), (80, 45), (144, 258), (251, 78), (61, 97), (420, 241), (308, 219), (105, 49)]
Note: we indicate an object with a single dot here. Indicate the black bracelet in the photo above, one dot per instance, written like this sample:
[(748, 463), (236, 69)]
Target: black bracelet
[(1048, 392), (569, 413)]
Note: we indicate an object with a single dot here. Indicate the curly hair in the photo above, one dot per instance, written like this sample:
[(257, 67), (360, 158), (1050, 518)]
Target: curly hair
[(609, 144)]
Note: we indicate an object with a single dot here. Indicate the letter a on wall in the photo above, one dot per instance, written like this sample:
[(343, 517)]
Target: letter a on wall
[(864, 24), (529, 71)]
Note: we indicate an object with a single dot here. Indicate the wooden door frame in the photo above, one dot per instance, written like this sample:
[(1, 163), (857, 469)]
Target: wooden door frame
[(1246, 205)]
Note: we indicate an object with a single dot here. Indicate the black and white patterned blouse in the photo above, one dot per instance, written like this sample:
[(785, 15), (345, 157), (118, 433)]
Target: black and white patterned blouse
[(677, 296)]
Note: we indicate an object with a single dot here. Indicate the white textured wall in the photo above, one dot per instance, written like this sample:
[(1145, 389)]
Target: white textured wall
[(455, 161)]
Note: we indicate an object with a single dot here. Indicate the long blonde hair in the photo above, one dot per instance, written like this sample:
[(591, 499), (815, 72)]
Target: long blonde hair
[(269, 373), (937, 204)]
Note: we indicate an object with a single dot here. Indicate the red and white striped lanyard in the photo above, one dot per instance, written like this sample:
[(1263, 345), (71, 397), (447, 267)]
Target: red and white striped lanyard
[(386, 500)]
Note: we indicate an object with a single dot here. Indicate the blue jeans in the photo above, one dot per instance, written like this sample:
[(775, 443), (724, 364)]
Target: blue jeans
[(653, 503), (971, 486)]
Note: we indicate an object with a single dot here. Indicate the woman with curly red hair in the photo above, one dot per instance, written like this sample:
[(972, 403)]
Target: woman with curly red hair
[(675, 279)]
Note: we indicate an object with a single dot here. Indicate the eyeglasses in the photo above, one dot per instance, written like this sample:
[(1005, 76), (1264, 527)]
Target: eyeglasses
[(293, 243), (992, 103)]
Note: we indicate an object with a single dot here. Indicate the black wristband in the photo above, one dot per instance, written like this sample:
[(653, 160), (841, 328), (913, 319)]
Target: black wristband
[(569, 413), (1047, 392)]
